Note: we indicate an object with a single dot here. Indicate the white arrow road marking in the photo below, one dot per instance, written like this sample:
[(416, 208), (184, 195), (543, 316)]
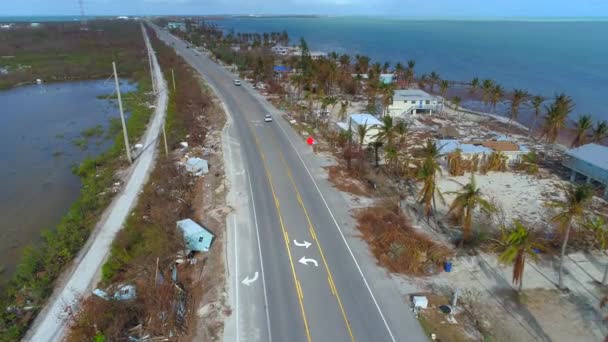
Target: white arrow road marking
[(305, 261), (304, 244), (248, 281)]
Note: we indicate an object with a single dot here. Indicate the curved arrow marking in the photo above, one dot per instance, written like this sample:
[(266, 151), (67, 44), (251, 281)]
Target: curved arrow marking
[(305, 261), (304, 244), (248, 281)]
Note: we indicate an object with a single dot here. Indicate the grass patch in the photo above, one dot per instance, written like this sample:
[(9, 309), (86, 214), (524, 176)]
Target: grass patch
[(96, 131)]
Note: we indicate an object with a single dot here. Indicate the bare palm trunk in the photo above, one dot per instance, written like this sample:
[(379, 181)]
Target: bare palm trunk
[(561, 258), (532, 127), (521, 282)]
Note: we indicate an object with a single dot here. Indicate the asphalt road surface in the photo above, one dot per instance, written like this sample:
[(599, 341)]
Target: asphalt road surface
[(297, 277)]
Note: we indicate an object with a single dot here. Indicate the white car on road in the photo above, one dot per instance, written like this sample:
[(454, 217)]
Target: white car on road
[(237, 82), (267, 118)]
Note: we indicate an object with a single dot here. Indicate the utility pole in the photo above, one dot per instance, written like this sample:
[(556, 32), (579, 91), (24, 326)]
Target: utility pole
[(173, 77), (122, 115), (165, 139)]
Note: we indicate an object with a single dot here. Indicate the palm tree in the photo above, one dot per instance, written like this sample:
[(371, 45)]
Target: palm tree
[(427, 174), (385, 67), (399, 71), (556, 116), (573, 208), (537, 101), (434, 77), (600, 132), (464, 205), (429, 191), (410, 71), (517, 98), (583, 125), (598, 227), (456, 100), (487, 86), (443, 87), (401, 131), (520, 242), (376, 145), (386, 132), (388, 92), (474, 86), (529, 163), (343, 110), (455, 166), (496, 96), (345, 61), (361, 134)]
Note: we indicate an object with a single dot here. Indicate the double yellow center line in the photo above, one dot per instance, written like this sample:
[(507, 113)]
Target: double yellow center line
[(313, 234)]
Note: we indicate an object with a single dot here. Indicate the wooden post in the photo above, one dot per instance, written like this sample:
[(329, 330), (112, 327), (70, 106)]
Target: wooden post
[(173, 77), (165, 140), (122, 115)]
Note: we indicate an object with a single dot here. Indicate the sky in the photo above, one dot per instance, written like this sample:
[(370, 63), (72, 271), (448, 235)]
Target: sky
[(405, 8)]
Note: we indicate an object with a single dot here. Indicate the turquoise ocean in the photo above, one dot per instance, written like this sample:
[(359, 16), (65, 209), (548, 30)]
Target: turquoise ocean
[(542, 56)]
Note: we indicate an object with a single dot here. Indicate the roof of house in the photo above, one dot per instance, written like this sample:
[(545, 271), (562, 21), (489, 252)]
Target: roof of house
[(594, 154), (502, 146), (189, 227), (365, 119), (412, 94), (387, 78), (280, 68), (450, 145)]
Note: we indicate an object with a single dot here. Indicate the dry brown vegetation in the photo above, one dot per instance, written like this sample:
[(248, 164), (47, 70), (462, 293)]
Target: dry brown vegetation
[(344, 180), (396, 244)]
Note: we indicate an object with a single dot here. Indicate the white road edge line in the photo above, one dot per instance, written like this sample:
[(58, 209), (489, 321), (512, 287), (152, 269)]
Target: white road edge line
[(341, 234), (257, 233), (236, 276), (255, 219)]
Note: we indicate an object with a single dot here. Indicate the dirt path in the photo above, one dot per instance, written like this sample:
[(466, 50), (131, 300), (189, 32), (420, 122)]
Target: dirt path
[(81, 277)]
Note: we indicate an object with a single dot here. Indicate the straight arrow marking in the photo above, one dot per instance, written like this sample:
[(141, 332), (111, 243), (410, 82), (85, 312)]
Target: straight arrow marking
[(303, 244), (305, 261), (248, 281)]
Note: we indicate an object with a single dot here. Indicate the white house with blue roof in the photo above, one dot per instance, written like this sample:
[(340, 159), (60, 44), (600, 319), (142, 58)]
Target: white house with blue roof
[(591, 161), (356, 120), (411, 102)]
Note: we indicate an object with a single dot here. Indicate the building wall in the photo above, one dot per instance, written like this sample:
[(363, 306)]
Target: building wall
[(400, 107), (370, 136), (582, 167)]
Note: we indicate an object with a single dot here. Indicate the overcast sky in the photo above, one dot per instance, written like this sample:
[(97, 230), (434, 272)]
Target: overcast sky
[(420, 8)]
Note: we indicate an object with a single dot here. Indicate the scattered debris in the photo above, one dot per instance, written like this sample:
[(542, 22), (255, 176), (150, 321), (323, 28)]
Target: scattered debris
[(123, 293), (420, 302), (197, 166)]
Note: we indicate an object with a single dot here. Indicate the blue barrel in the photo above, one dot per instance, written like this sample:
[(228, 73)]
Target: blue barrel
[(447, 266)]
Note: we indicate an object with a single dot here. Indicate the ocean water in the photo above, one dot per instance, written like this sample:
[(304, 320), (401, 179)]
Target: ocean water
[(542, 56)]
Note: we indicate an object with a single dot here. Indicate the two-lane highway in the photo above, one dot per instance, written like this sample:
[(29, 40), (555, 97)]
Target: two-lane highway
[(312, 286)]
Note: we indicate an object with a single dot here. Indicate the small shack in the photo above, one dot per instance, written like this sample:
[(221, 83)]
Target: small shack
[(196, 237)]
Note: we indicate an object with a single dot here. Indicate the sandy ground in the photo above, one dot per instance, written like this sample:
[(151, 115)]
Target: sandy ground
[(515, 195)]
